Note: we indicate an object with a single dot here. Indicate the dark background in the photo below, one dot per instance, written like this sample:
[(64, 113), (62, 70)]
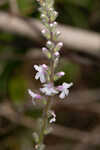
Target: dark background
[(78, 116)]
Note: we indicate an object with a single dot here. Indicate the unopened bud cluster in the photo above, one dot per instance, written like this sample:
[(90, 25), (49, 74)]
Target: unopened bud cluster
[(47, 74)]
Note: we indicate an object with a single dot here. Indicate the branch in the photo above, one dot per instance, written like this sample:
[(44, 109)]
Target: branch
[(2, 2), (83, 138), (14, 7), (8, 112), (76, 39), (17, 25)]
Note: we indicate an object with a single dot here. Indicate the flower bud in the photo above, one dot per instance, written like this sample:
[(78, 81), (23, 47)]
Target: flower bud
[(46, 52), (56, 54), (56, 62), (36, 137), (53, 26), (46, 33), (56, 34), (48, 130), (50, 44), (52, 14), (44, 18), (58, 46), (60, 74)]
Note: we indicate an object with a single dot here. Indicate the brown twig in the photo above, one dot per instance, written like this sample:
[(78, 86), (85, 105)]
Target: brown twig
[(14, 7), (81, 40)]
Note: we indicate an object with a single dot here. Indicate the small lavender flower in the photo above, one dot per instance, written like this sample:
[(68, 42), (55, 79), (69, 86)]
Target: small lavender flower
[(34, 96), (48, 89), (64, 89), (42, 71)]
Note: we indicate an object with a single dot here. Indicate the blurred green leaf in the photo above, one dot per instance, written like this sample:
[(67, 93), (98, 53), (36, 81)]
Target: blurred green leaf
[(82, 3), (34, 113), (17, 89), (5, 75), (72, 72), (26, 6)]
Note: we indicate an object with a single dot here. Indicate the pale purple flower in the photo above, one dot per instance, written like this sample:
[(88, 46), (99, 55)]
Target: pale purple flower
[(48, 89), (34, 95), (64, 89), (53, 119), (42, 71)]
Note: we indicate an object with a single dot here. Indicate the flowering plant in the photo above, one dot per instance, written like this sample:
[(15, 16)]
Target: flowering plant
[(47, 74)]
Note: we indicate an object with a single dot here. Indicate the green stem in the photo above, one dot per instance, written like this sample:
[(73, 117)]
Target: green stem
[(49, 101), (45, 121), (48, 105)]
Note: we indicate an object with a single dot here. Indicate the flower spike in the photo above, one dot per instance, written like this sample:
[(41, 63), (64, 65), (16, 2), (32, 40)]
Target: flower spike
[(48, 75)]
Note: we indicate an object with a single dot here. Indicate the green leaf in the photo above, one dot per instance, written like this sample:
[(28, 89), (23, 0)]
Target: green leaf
[(17, 89), (26, 6)]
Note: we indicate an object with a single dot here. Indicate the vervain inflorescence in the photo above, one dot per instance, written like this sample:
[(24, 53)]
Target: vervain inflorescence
[(47, 74)]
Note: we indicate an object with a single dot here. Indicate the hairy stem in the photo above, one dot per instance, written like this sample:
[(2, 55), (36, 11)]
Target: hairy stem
[(49, 101), (50, 98), (45, 120)]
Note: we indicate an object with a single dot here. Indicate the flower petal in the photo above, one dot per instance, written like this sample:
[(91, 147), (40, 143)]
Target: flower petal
[(37, 76), (66, 92), (53, 119), (48, 89), (37, 67), (54, 91), (67, 85), (42, 78), (62, 95), (33, 101), (32, 94)]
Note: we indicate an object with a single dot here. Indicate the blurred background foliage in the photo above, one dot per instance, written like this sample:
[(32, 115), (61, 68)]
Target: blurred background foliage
[(82, 14), (16, 75)]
